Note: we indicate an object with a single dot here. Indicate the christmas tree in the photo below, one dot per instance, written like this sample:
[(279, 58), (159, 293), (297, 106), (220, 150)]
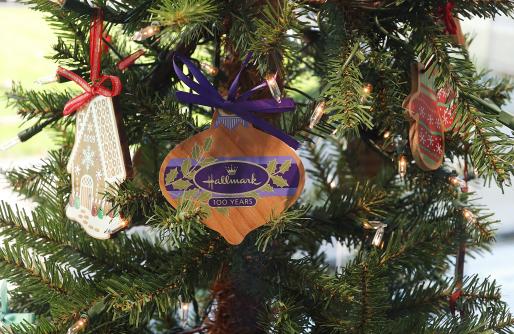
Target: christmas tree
[(374, 131)]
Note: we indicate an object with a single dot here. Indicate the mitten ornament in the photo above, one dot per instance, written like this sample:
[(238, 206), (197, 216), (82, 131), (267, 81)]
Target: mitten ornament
[(98, 159), (431, 113), (240, 176)]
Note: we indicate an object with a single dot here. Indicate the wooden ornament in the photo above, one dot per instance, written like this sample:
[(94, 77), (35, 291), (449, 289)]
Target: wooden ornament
[(98, 162), (459, 37), (240, 176), (431, 113)]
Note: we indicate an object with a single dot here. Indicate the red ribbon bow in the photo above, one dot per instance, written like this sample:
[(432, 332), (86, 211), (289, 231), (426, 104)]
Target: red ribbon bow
[(91, 91), (97, 87), (449, 21)]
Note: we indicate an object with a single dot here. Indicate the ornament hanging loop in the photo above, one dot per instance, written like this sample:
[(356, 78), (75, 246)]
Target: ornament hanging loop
[(445, 12), (206, 95), (97, 78)]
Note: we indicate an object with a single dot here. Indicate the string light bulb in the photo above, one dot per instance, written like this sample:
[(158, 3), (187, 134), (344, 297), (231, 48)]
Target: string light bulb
[(379, 228), (184, 306), (121, 226), (211, 70), (456, 181), (47, 80), (10, 143), (387, 134), (402, 165), (28, 133), (271, 80), (469, 215), (147, 32), (379, 235), (367, 89), (79, 326), (319, 111)]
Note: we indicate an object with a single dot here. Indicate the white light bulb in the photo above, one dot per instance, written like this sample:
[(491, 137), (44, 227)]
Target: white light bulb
[(379, 228), (47, 80), (457, 182), (379, 235), (147, 32), (185, 311), (402, 165), (469, 216), (10, 143), (317, 114), (367, 89), (78, 326), (271, 80)]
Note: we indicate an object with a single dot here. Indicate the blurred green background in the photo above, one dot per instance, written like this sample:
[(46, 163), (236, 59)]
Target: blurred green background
[(26, 40)]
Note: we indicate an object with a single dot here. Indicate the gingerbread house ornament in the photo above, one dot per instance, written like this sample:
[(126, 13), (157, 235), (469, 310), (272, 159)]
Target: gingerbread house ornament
[(98, 162)]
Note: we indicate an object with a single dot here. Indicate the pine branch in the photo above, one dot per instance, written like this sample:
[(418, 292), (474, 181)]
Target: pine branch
[(271, 37), (290, 223), (186, 21), (343, 91)]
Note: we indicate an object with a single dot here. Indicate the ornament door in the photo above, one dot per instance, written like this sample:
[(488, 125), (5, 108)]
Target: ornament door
[(86, 192)]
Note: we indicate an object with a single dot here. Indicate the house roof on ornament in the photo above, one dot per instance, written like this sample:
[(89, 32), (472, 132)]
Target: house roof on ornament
[(100, 113)]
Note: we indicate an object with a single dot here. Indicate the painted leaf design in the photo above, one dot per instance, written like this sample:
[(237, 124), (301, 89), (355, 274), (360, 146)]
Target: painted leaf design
[(192, 193), (267, 188), (207, 144), (171, 176), (285, 167), (207, 161), (181, 184), (205, 208), (186, 165), (205, 196), (272, 166), (196, 152), (253, 194), (279, 181)]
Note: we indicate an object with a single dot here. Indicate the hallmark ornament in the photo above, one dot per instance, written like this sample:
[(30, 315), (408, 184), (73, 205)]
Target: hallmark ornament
[(98, 159), (239, 175), (432, 113)]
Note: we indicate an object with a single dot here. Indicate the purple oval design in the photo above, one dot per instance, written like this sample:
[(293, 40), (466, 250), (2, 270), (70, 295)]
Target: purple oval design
[(231, 177)]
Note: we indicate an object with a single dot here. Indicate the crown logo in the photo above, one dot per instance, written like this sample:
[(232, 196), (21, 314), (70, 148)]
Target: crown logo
[(231, 170)]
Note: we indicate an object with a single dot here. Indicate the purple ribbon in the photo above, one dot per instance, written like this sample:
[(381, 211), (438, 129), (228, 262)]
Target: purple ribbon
[(207, 95)]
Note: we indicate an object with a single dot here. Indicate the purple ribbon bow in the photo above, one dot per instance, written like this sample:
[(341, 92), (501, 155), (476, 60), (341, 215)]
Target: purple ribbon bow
[(208, 96)]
